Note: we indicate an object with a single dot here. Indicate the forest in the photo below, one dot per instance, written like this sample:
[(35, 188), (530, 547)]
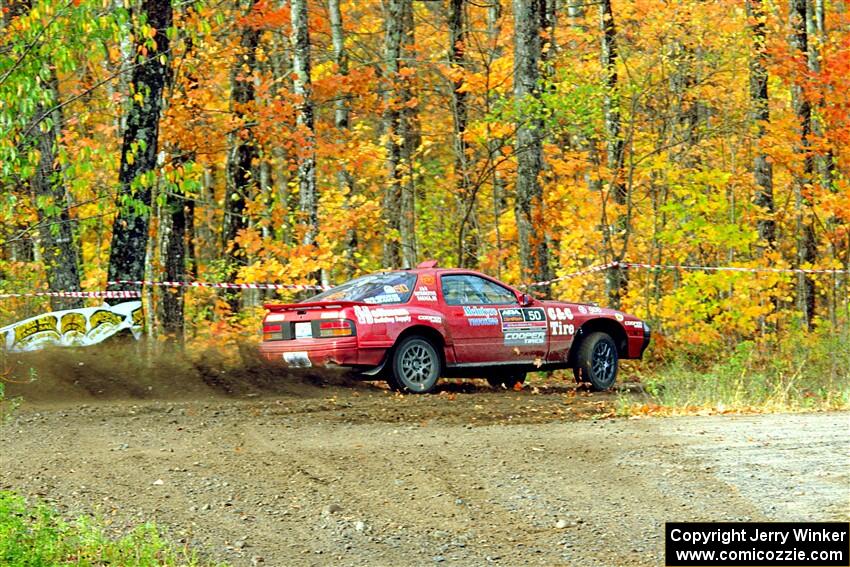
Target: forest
[(309, 141)]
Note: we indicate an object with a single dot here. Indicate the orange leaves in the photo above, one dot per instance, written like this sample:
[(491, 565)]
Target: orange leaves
[(266, 15)]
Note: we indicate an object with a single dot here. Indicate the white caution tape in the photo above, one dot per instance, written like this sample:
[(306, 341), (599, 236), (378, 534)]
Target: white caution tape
[(78, 294), (631, 265), (636, 265), (600, 268)]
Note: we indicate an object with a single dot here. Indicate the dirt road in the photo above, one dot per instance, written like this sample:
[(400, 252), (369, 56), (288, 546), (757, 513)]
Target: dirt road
[(355, 475)]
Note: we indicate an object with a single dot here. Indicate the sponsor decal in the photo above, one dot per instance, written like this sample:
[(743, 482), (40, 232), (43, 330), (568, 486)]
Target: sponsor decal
[(391, 297), (482, 321), (559, 328), (523, 338), (401, 288), (638, 324), (511, 315), (378, 315), (73, 322), (534, 314), (479, 311), (428, 279), (43, 325), (594, 310), (524, 325), (425, 294), (582, 309), (527, 318), (73, 327), (618, 317), (436, 319), (560, 313)]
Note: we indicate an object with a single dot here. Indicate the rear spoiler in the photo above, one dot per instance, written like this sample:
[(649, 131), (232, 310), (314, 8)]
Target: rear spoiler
[(312, 305)]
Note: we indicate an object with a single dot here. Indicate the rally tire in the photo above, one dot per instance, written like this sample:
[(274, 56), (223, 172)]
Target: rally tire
[(416, 366), (597, 361), (507, 381)]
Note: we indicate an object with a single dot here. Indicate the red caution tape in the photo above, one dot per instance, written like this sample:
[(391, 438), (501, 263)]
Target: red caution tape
[(299, 287), (79, 294)]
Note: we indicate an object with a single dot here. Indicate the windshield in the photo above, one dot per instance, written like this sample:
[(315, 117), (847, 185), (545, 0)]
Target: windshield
[(386, 287)]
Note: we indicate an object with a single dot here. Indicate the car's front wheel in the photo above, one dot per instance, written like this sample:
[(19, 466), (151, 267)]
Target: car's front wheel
[(415, 366), (597, 361)]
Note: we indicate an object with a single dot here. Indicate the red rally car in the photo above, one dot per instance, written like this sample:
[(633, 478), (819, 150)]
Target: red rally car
[(411, 327)]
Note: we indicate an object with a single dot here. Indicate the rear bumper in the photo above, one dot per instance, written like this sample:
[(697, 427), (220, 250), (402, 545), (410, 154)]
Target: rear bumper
[(321, 352), (347, 352)]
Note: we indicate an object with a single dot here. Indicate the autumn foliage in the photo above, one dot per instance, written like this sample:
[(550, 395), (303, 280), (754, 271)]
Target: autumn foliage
[(684, 168)]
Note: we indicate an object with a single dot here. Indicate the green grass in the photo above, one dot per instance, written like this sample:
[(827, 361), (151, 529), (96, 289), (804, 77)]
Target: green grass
[(801, 372), (33, 535)]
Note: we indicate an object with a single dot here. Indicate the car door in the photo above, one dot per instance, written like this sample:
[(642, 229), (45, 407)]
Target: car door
[(487, 323)]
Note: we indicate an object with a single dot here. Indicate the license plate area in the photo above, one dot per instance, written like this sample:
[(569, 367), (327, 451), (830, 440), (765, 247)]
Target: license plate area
[(297, 359), (304, 330)]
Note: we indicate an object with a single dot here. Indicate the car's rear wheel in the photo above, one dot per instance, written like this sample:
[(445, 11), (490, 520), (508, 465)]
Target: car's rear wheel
[(507, 381), (597, 361), (415, 366)]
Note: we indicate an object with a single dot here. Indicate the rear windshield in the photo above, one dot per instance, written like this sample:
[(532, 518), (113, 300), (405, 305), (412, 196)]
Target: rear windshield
[(383, 288)]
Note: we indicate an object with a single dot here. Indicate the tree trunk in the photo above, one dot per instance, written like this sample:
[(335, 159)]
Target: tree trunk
[(55, 243), (762, 168), (816, 32), (617, 231), (494, 145), (467, 239), (308, 199), (140, 147), (806, 253), (412, 138), (401, 139), (59, 250), (342, 123), (241, 156), (528, 208), (173, 230), (548, 21)]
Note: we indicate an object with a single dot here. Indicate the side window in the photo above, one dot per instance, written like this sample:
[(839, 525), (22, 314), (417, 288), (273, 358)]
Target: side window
[(465, 289)]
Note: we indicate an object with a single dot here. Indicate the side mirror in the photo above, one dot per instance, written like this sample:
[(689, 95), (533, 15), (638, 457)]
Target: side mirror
[(525, 300)]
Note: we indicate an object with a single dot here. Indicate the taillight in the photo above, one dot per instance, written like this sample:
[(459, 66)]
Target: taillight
[(272, 332), (337, 328)]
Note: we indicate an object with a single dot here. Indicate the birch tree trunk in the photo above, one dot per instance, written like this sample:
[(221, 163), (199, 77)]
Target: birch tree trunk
[(140, 147), (528, 207), (342, 123), (308, 199)]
